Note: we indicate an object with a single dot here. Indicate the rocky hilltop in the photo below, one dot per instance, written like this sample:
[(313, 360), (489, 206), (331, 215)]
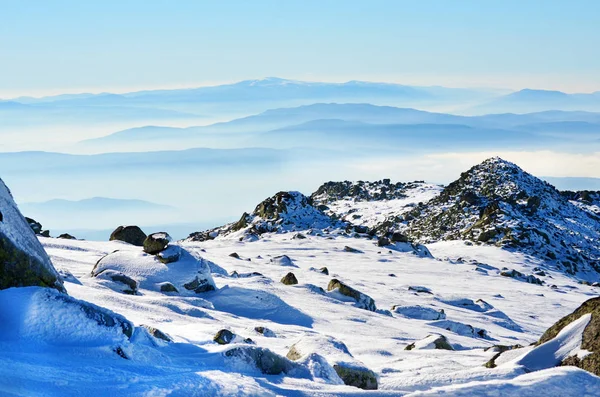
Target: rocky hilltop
[(281, 213), (498, 203)]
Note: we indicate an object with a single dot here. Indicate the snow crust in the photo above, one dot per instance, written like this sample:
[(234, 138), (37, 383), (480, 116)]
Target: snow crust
[(48, 350)]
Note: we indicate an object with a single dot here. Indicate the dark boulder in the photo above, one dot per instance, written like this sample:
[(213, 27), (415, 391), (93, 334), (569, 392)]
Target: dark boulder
[(34, 225), (129, 234), (224, 337), (289, 279)]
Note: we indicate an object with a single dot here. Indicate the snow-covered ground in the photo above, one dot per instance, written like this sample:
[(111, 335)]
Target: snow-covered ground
[(480, 307)]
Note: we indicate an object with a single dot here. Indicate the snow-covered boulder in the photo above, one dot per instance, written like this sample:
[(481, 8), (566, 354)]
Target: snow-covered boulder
[(328, 352), (156, 242), (419, 312), (189, 273), (344, 292), (265, 360), (23, 261), (435, 341)]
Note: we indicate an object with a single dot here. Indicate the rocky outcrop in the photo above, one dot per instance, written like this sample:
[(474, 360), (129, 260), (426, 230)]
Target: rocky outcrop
[(23, 261), (590, 338), (281, 213), (264, 360), (129, 234), (498, 203)]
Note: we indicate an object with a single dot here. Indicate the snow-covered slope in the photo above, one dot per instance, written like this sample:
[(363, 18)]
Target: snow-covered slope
[(481, 309), (355, 316), (373, 204)]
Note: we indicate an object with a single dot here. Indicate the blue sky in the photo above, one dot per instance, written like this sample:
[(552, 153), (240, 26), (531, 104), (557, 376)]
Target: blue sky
[(73, 46)]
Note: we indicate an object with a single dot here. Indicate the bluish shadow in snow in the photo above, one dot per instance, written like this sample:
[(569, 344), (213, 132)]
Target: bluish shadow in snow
[(257, 304)]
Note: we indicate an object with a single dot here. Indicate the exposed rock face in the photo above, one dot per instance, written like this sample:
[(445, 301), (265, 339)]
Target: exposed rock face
[(283, 212), (498, 203), (129, 234), (363, 301), (335, 354), (67, 236), (23, 261), (590, 337), (156, 242)]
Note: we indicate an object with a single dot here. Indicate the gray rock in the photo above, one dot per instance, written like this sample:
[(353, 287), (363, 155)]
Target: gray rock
[(23, 261), (156, 242)]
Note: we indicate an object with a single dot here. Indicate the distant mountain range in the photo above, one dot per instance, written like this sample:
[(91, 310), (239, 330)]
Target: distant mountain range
[(528, 100), (93, 204), (324, 124)]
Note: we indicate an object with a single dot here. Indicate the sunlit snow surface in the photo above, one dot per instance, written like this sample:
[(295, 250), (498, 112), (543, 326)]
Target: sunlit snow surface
[(513, 312)]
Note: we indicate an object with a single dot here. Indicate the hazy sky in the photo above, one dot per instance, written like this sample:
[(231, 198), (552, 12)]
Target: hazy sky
[(57, 46)]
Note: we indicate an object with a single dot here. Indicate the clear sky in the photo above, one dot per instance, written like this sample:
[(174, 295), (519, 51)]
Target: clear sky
[(53, 46)]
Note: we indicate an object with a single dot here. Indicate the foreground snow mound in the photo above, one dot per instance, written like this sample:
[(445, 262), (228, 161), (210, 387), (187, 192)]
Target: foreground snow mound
[(23, 261), (186, 274), (555, 382), (329, 359), (498, 203), (284, 212), (42, 316)]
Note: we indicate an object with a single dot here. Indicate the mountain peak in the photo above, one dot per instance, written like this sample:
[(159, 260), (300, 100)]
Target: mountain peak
[(496, 202)]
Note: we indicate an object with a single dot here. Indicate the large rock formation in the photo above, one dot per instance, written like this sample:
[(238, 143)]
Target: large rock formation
[(498, 203), (23, 261), (590, 337), (283, 212)]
